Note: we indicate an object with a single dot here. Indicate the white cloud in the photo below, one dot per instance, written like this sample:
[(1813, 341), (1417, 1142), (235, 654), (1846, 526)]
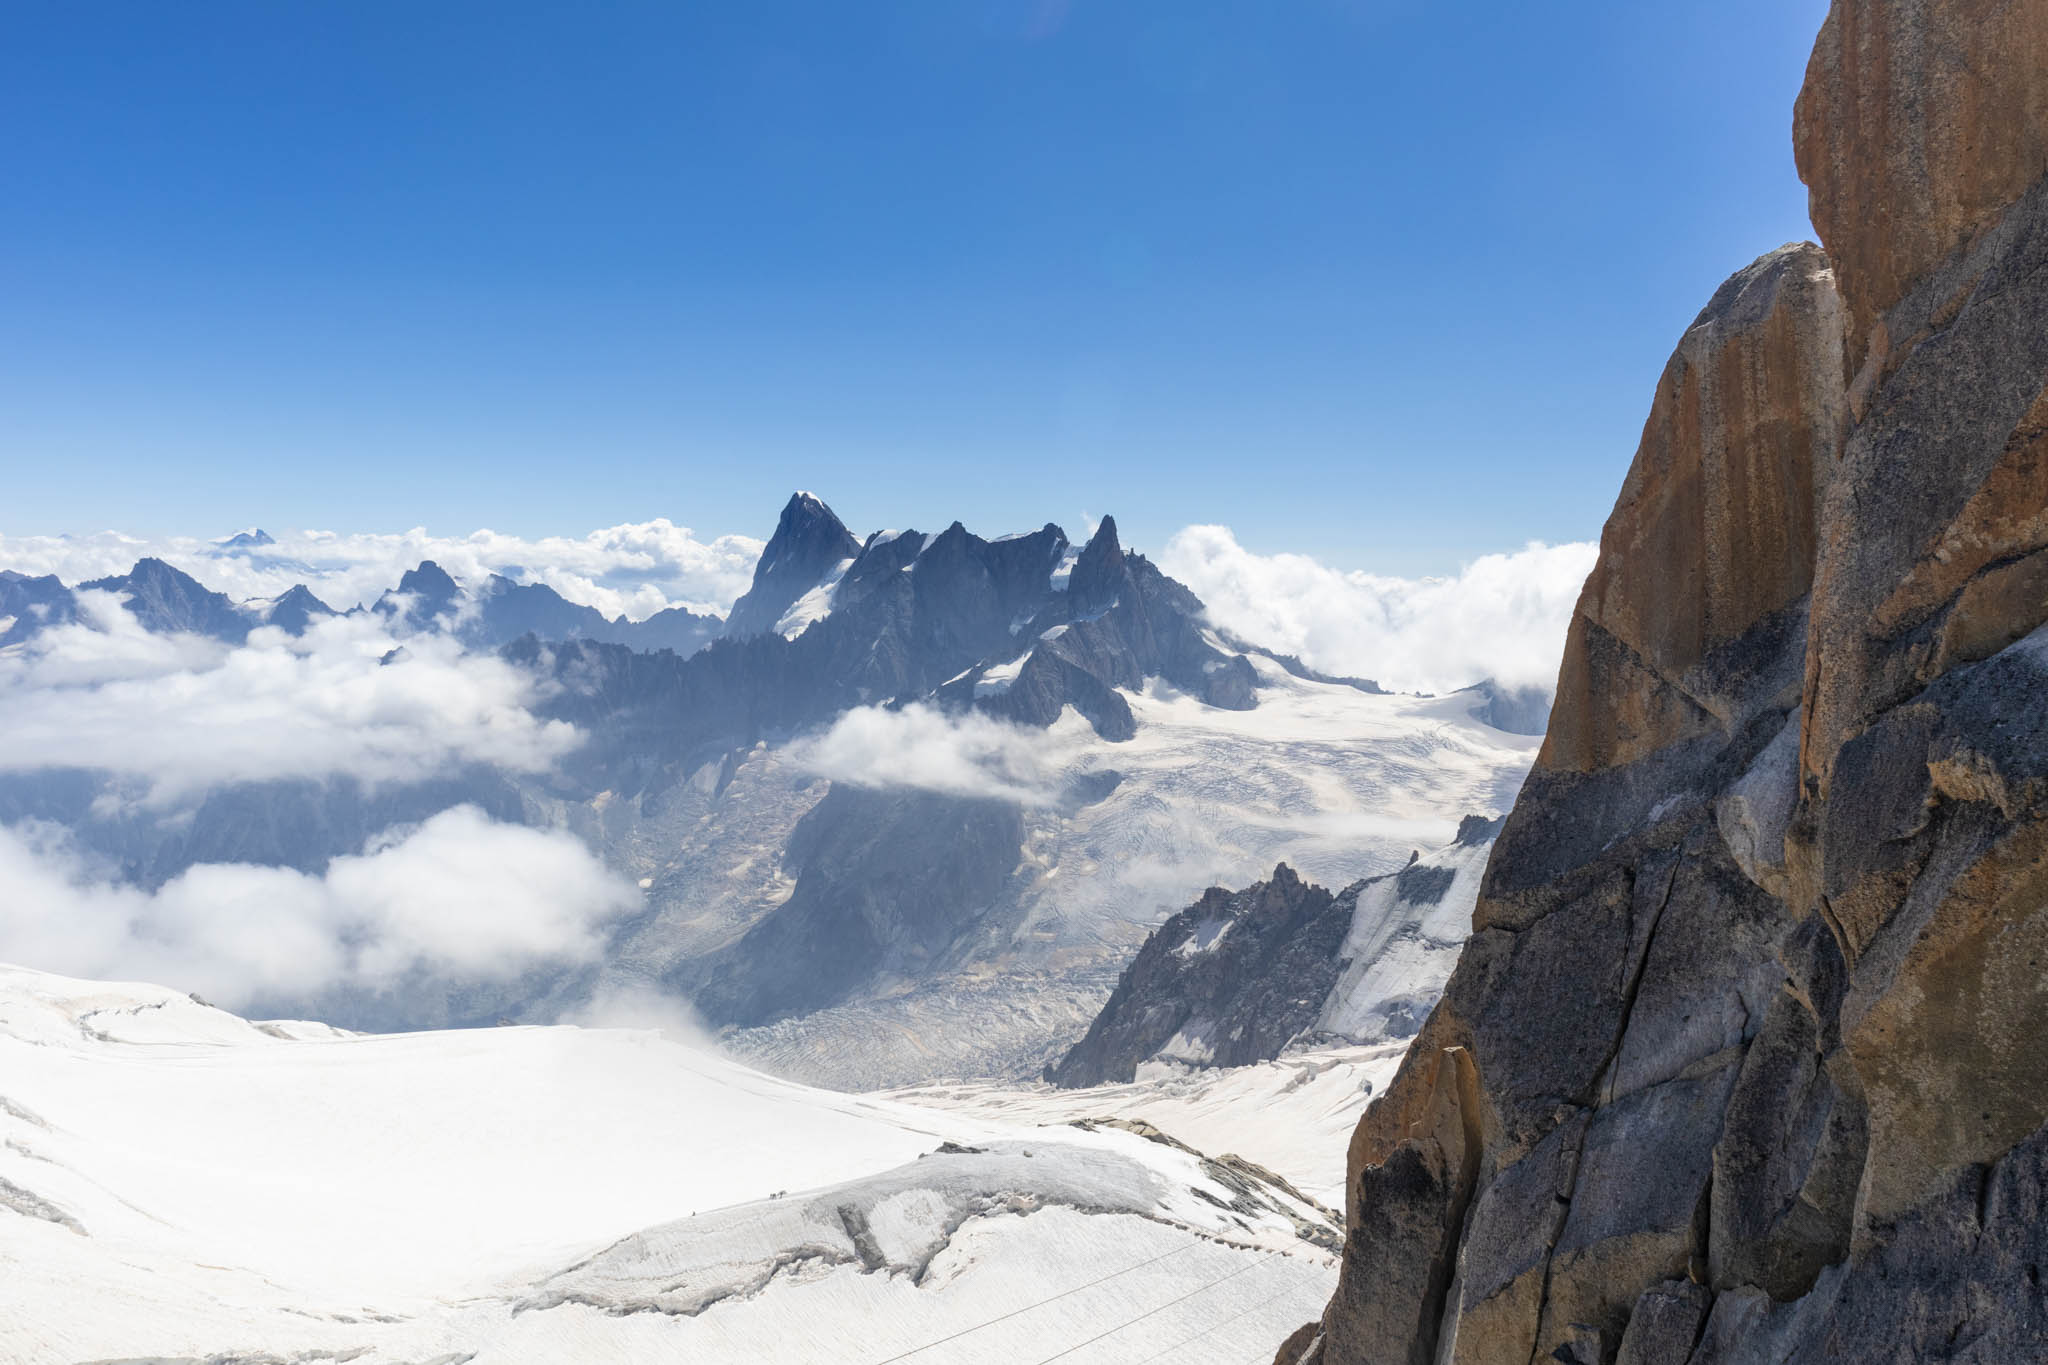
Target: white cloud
[(922, 747), (460, 895), (178, 714), (1502, 616), (638, 1005), (635, 569)]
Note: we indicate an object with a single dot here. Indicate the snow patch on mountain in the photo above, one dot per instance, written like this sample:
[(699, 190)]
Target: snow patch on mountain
[(813, 606), (1406, 934)]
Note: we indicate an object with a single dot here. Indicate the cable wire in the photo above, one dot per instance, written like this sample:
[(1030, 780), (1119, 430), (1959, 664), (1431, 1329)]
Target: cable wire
[(1212, 1328), (1064, 1293), (1198, 1289)]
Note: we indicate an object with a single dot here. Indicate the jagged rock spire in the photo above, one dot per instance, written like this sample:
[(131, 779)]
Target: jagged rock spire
[(809, 542)]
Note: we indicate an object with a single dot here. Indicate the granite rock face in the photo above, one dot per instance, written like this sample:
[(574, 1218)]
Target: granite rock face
[(1752, 1006), (1919, 126)]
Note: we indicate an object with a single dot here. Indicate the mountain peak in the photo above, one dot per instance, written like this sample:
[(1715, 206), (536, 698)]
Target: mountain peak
[(1099, 573), (166, 598), (809, 542), (429, 580), (296, 610), (151, 569), (429, 586)]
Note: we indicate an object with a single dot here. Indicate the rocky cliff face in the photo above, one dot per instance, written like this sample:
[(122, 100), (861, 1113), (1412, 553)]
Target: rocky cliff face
[(1227, 981), (809, 543), (1741, 1063)]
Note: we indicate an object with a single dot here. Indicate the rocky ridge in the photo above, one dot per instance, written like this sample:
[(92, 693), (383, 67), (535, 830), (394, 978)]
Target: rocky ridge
[(1739, 1063), (1240, 977)]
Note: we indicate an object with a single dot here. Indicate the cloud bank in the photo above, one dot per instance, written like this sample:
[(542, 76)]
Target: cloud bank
[(460, 896), (634, 569), (923, 748), (177, 714), (1503, 616)]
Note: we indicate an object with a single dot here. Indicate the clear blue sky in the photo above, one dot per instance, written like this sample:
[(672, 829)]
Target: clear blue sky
[(1384, 281)]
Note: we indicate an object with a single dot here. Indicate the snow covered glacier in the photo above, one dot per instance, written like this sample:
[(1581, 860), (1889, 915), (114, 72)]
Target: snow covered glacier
[(289, 1191)]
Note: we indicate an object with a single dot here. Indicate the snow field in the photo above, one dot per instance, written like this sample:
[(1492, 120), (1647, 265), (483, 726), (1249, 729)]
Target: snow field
[(179, 1183)]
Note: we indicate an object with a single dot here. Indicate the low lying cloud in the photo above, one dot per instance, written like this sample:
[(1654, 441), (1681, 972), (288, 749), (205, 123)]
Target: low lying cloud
[(1503, 616), (923, 748), (178, 714), (634, 569), (641, 1006), (460, 895)]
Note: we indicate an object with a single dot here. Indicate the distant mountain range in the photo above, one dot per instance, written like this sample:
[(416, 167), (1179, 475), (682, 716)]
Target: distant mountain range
[(876, 928), (167, 599)]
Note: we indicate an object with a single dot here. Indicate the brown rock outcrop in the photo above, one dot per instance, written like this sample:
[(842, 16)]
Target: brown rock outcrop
[(1714, 529), (1747, 1036), (1919, 124)]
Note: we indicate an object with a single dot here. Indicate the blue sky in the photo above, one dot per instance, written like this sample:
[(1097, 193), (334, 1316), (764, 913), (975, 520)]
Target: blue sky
[(1382, 281)]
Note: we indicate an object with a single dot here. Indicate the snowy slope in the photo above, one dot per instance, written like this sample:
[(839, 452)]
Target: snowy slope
[(1293, 1116), (179, 1183), (1405, 937)]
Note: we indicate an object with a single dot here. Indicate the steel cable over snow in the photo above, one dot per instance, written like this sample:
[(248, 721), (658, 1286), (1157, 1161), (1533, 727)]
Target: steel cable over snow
[(1216, 1327), (1064, 1293), (1198, 1289)]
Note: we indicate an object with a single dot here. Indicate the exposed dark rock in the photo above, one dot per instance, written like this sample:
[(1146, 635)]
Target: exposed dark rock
[(28, 604), (809, 542), (1665, 1324), (1477, 829), (423, 596), (887, 884), (1401, 1247), (1235, 976), (297, 609), (165, 600)]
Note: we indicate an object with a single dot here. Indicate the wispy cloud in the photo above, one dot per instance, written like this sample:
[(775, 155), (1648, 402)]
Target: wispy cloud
[(176, 715), (634, 569), (1502, 616), (460, 896)]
